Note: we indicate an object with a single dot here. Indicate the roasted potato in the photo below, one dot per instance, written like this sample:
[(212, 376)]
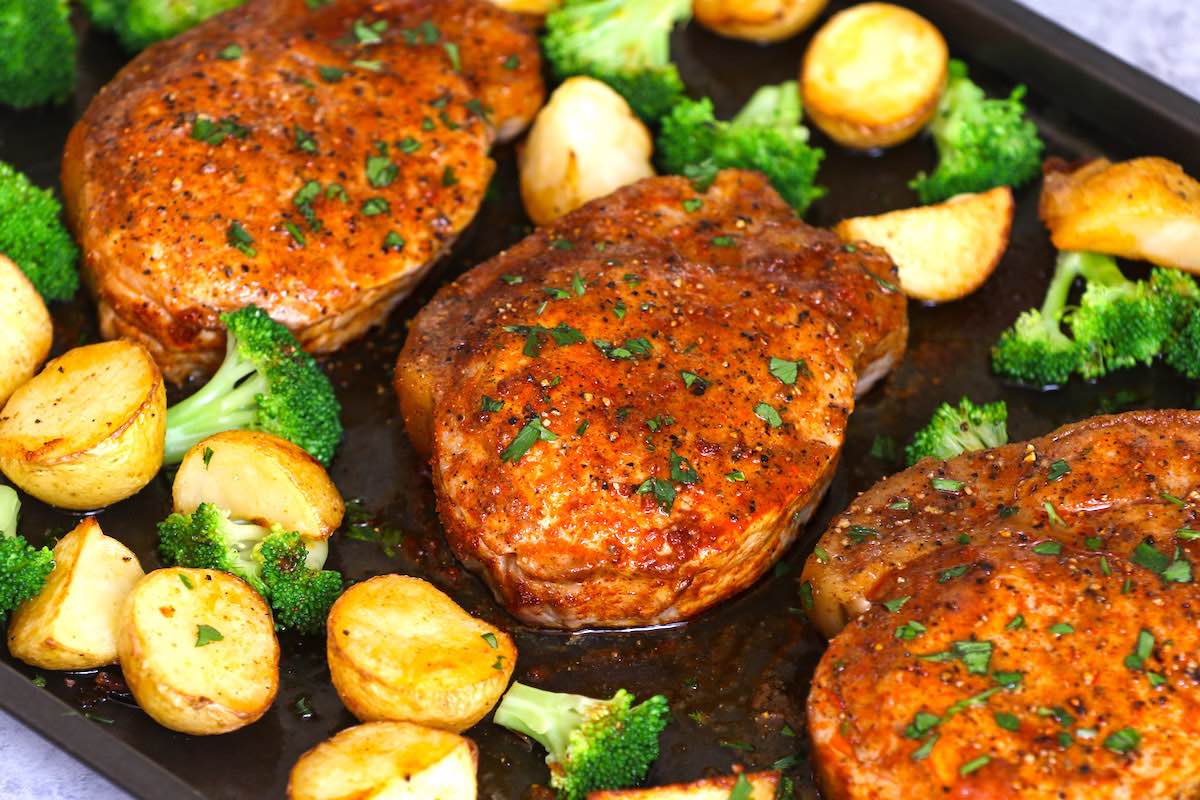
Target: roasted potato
[(399, 649), (27, 332), (72, 622), (763, 786), (873, 75), (88, 430), (1146, 209), (757, 20), (396, 760), (535, 8), (198, 650), (585, 143), (260, 478), (944, 251)]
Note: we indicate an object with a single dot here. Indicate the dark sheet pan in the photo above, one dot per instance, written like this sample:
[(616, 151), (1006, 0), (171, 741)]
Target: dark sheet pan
[(738, 676)]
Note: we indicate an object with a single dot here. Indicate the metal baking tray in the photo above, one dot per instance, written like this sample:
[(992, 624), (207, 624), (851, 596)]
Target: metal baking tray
[(737, 677)]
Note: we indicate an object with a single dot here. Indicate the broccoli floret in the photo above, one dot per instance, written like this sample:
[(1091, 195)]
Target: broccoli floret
[(625, 43), (23, 568), (266, 382), (33, 236), (140, 23), (1035, 350), (766, 135), (590, 744), (277, 564), (1180, 297), (1119, 322), (981, 143), (37, 52), (953, 430)]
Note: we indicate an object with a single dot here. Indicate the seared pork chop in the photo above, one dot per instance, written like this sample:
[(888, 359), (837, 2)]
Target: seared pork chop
[(1107, 484), (1010, 672), (631, 412), (311, 158)]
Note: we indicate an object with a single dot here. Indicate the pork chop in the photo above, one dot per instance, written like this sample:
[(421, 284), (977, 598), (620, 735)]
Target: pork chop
[(1032, 675), (631, 412), (313, 158), (1108, 484)]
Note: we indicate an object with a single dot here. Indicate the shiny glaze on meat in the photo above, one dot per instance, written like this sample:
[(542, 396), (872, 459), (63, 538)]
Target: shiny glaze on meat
[(153, 206), (564, 536), (1075, 691), (1128, 475)]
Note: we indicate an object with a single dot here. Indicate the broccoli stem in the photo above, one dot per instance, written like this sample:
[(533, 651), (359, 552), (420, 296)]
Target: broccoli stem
[(546, 717), (10, 508), (1067, 268), (221, 404), (772, 106)]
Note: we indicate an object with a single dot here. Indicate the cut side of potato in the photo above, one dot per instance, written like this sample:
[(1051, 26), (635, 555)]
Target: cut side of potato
[(27, 333), (198, 650), (72, 623), (757, 20), (945, 251), (399, 649), (260, 478), (873, 75), (585, 143), (88, 430), (396, 760), (763, 786), (1145, 209)]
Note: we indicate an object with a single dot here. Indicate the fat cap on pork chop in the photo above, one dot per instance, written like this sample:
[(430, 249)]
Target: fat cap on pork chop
[(632, 411)]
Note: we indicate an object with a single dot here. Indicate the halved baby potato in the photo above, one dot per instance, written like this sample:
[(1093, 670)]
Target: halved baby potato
[(260, 478), (944, 251), (399, 649), (396, 760), (198, 650), (763, 786), (72, 623), (27, 332), (88, 430), (757, 20), (873, 75), (1146, 209)]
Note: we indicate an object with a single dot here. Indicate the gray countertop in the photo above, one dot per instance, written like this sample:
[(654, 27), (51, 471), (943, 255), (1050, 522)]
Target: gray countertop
[(1159, 36)]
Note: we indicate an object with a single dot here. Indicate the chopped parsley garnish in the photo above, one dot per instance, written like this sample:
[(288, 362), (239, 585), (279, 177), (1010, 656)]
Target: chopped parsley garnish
[(1007, 721), (638, 347), (294, 231), (768, 414), (527, 437), (631, 279), (976, 655), (304, 140), (1170, 498), (922, 752), (973, 765), (370, 66), (490, 638), (909, 630), (216, 131), (619, 309), (1061, 628), (947, 485), (512, 280), (1009, 680), (207, 458), (1047, 548), (693, 204), (787, 371), (381, 171), (951, 573), (408, 145), (1143, 649), (562, 334), (369, 33), (206, 634), (682, 470), (860, 533), (893, 605), (582, 429), (453, 54), (663, 491), (393, 242), (723, 241), (1006, 511), (1187, 534), (577, 285), (1177, 570), (374, 206), (186, 581), (331, 74), (335, 191), (562, 244), (489, 404), (1092, 542), (1016, 623), (806, 588), (884, 448), (1123, 741), (735, 476), (1057, 470), (742, 788), (901, 505), (231, 52), (923, 722), (448, 177), (238, 237), (512, 62), (694, 382), (658, 422), (1052, 513)]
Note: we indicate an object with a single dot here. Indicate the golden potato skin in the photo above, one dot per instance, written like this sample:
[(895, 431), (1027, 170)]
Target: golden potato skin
[(943, 252), (214, 688), (873, 75), (396, 760), (260, 478), (763, 786), (1145, 209), (585, 143), (762, 21), (88, 430), (399, 649), (27, 333), (72, 623)]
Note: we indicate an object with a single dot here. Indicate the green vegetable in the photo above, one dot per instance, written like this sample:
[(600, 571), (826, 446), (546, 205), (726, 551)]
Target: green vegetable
[(33, 236), (140, 23), (1119, 323), (590, 744), (23, 568), (268, 383), (1035, 350), (625, 43), (37, 52), (278, 564), (766, 135), (958, 429), (982, 143)]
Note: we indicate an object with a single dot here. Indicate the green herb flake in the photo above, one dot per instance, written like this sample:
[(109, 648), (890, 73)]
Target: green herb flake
[(909, 630), (768, 414), (408, 145), (973, 765), (1092, 543), (294, 231), (884, 448), (619, 309), (1016, 623), (490, 405), (374, 206), (735, 476), (1050, 548), (330, 74), (512, 280), (372, 66), (1142, 650), (490, 638), (1061, 628), (532, 433), (381, 172), (787, 371), (923, 722), (512, 62), (38, 681), (216, 131), (947, 485), (1007, 721), (1170, 498), (206, 634), (742, 790), (368, 34), (723, 241), (186, 581), (304, 140), (239, 238), (231, 52), (1057, 469), (949, 574), (895, 604), (860, 533), (453, 54), (902, 504), (1009, 680), (448, 177), (1052, 513), (692, 204), (922, 752), (1171, 570), (823, 556), (806, 590), (1123, 741), (577, 285), (663, 491), (693, 381)]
